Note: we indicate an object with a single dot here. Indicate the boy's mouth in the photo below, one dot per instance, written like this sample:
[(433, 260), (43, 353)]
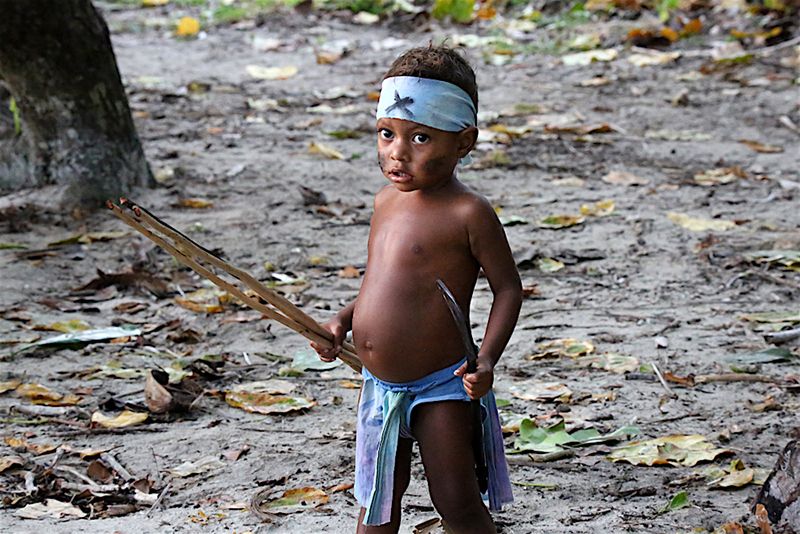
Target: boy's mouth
[(399, 177)]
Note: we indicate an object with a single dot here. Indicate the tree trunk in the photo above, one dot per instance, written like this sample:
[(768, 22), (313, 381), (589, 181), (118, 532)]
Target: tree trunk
[(77, 132)]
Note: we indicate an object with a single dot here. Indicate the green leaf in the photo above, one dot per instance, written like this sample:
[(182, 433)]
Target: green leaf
[(775, 354), (544, 440), (6, 246), (85, 336), (681, 500), (458, 10), (306, 360)]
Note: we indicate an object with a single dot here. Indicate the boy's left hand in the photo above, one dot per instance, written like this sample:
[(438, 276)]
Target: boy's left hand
[(478, 383)]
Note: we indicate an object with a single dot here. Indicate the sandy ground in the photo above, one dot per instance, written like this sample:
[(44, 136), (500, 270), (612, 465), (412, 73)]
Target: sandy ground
[(634, 283)]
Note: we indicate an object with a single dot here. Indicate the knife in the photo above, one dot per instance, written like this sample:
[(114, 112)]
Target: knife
[(471, 350)]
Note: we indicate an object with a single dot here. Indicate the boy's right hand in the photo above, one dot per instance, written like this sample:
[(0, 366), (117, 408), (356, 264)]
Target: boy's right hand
[(335, 327)]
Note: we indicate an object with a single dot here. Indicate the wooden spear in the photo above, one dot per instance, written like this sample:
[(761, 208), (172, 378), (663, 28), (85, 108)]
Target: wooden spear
[(186, 251)]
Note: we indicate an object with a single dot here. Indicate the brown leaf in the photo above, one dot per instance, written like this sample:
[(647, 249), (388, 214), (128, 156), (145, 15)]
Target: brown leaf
[(349, 272), (156, 396), (760, 147)]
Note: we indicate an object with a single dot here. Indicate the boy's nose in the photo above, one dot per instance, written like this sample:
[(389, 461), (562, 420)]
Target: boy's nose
[(399, 150)]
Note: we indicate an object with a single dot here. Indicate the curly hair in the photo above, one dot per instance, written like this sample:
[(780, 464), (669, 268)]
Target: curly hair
[(438, 62)]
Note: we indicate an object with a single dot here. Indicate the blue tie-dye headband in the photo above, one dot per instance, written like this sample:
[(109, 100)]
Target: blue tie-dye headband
[(433, 103)]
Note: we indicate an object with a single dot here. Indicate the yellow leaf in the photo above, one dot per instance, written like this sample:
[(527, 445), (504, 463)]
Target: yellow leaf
[(719, 176), (187, 27), (204, 301), (672, 450), (126, 418), (7, 462), (271, 73), (549, 265), (560, 221), (562, 347), (319, 148), (652, 58), (193, 203), (73, 325), (153, 3), (8, 386), (602, 208), (700, 225), (583, 59)]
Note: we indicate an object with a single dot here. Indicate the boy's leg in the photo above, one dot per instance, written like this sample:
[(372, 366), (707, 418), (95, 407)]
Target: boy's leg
[(402, 476), (444, 432)]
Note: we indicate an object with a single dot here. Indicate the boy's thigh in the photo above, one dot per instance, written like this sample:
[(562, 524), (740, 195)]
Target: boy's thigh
[(444, 433)]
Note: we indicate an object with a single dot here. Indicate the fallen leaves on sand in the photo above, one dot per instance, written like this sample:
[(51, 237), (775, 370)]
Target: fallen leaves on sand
[(7, 462), (562, 347), (294, 500), (206, 463), (787, 258), (719, 176), (92, 237), (582, 59), (540, 391), (271, 73), (653, 58), (267, 397), (193, 203), (601, 208), (38, 394), (126, 418), (548, 265), (610, 361), (36, 449), (775, 354), (624, 178), (205, 300), (681, 500), (8, 386), (760, 147), (556, 222), (50, 508), (734, 476), (328, 152), (670, 450), (543, 440), (700, 225)]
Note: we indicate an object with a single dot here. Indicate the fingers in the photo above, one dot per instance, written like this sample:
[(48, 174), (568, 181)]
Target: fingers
[(326, 355), (461, 370)]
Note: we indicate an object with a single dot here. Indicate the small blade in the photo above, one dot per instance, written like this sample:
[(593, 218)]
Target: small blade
[(463, 326)]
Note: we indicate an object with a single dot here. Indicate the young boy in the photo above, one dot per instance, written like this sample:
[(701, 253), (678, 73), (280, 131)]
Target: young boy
[(427, 226)]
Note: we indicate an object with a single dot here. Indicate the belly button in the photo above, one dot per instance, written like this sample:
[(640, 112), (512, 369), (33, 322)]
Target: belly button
[(368, 345), (416, 249)]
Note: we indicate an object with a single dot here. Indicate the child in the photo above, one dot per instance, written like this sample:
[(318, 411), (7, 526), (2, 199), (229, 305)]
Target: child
[(427, 226)]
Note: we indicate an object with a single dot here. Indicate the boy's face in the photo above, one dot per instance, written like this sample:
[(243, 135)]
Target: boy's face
[(416, 157)]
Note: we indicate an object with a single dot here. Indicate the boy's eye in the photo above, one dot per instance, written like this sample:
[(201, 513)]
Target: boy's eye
[(421, 138), (383, 133)]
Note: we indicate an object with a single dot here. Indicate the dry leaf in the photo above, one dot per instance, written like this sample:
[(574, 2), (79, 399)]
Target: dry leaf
[(719, 176), (156, 396), (50, 508), (204, 300), (38, 394), (349, 272), (700, 225), (193, 203), (126, 418), (624, 178), (319, 148), (271, 73), (207, 463), (672, 450), (602, 208), (654, 58), (582, 59), (7, 462), (8, 386), (560, 221), (540, 391), (760, 147)]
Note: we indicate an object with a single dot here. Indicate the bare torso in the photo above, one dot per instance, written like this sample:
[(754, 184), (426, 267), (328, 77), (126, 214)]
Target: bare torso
[(402, 327)]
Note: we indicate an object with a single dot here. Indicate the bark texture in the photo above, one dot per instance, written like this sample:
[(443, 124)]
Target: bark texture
[(57, 61)]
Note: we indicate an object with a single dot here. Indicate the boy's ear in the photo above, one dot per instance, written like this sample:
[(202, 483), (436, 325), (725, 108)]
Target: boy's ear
[(466, 140)]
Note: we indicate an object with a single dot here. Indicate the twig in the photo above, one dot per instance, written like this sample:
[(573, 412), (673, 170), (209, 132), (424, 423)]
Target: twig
[(533, 459), (73, 472), (116, 466), (30, 486), (160, 498), (734, 377), (663, 382), (782, 336), (94, 488)]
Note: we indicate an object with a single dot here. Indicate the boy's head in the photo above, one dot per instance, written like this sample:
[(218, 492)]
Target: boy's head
[(437, 63)]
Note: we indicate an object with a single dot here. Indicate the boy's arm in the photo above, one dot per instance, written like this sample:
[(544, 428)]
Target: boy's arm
[(489, 246), (339, 326)]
